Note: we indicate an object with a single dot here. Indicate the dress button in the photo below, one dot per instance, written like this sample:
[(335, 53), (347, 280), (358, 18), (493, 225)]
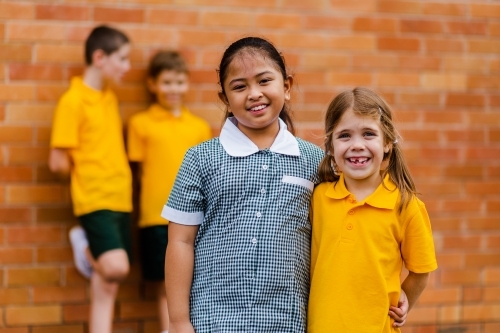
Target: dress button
[(254, 241), (263, 191), (349, 226), (351, 212), (265, 167), (258, 214)]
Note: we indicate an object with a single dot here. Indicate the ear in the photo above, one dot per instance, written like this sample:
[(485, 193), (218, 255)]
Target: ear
[(98, 57), (223, 98), (288, 87), (387, 148)]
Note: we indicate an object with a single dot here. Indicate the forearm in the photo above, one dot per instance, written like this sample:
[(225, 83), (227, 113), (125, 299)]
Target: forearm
[(414, 285), (60, 162), (179, 264)]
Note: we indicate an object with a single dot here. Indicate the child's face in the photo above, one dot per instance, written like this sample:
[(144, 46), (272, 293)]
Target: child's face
[(255, 91), (169, 88), (358, 147), (116, 64)]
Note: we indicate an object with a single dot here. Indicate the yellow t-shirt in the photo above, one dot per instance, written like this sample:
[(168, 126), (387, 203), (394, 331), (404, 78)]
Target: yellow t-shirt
[(88, 123), (159, 140), (358, 250)]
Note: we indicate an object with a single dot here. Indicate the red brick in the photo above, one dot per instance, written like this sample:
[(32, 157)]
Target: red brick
[(494, 28), (15, 52), (483, 82), (450, 9), (54, 254), (398, 44), (18, 194), (199, 38), (440, 296), (465, 136), (483, 46), (15, 10), (444, 45), (172, 17), (326, 22), (14, 215), (483, 118), (491, 327), (374, 24), (75, 313), (15, 174), (465, 64), (374, 61), (16, 255), (460, 277), (226, 19), (463, 171), (421, 26), (462, 242), (350, 79), (33, 276), (59, 53), (59, 329), (357, 6), (61, 12), (464, 99), (27, 155), (482, 224), (420, 62), (485, 10), (323, 61), (34, 235), (482, 188), (479, 260), (49, 92), (398, 80), (55, 214), (36, 32), (14, 296), (35, 72), (16, 92), (138, 309), (31, 113), (482, 154), (472, 294), (466, 27), (422, 315), (59, 294), (27, 315), (493, 206), (481, 312), (492, 241), (352, 43), (398, 6), (113, 14)]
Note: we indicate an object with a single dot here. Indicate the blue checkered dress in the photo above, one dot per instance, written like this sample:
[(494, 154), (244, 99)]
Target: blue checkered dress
[(252, 250)]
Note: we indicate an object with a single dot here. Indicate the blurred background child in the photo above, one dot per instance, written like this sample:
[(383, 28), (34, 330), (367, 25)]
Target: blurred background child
[(158, 139)]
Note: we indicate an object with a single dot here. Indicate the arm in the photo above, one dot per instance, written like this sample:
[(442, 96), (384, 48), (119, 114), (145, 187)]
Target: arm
[(60, 161), (179, 266), (413, 286)]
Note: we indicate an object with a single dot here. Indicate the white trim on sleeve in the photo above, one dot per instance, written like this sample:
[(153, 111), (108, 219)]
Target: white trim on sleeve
[(179, 217)]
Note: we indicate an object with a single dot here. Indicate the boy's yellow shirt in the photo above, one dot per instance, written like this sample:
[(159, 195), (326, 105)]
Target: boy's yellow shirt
[(358, 250), (159, 140), (87, 122)]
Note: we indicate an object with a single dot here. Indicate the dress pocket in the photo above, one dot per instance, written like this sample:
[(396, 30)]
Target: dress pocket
[(298, 181)]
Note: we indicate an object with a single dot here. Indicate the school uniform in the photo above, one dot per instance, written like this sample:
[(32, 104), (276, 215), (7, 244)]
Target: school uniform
[(252, 250)]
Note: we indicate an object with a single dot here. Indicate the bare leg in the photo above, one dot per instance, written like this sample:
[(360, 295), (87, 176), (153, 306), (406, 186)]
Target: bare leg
[(162, 306), (110, 268)]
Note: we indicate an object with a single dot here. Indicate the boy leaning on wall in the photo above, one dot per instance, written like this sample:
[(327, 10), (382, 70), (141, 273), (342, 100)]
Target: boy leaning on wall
[(87, 144)]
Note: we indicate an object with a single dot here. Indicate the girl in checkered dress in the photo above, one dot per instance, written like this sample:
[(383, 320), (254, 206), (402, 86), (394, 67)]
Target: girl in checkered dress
[(239, 235)]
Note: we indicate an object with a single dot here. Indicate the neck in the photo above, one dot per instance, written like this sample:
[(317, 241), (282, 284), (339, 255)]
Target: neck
[(263, 137), (92, 77), (364, 187), (175, 111)]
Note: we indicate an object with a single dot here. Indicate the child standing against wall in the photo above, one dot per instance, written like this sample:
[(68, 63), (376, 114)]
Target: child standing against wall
[(157, 142), (366, 222), (87, 143)]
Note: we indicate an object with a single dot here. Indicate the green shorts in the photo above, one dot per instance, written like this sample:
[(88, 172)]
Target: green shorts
[(153, 243), (107, 230)]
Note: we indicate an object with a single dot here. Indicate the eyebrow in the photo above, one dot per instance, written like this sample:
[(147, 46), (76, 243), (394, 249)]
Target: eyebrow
[(363, 129), (242, 79)]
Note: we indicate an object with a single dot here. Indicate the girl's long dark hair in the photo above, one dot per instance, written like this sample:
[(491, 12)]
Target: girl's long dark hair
[(258, 46), (366, 102)]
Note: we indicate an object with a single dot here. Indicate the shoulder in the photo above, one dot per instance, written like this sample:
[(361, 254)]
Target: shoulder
[(138, 117), (71, 97), (309, 148), (208, 148), (414, 208)]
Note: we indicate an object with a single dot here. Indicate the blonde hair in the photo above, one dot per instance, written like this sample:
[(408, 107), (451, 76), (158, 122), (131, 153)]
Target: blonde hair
[(366, 103)]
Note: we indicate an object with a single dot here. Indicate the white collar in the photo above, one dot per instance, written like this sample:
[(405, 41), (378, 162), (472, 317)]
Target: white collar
[(237, 144)]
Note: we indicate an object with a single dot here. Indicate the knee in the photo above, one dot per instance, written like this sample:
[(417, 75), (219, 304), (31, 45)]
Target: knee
[(115, 272)]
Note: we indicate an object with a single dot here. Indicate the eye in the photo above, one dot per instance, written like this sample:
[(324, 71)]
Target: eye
[(238, 87), (370, 133), (265, 80), (343, 136)]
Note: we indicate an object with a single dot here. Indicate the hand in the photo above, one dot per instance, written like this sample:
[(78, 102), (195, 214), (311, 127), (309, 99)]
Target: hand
[(399, 313), (183, 327)]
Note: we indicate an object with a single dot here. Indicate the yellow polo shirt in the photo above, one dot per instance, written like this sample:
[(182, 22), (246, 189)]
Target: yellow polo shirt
[(159, 140), (88, 123), (358, 250)]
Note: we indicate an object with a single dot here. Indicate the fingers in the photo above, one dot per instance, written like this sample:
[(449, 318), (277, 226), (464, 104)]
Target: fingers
[(398, 315)]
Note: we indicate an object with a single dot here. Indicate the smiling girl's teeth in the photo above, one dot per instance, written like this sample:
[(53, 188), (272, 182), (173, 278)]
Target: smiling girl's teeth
[(358, 160), (257, 108)]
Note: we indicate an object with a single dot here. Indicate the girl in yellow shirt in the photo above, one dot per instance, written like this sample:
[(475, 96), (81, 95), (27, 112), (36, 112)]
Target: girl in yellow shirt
[(366, 222)]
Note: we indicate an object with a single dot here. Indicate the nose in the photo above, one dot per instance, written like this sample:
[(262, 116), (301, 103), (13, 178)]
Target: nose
[(254, 93), (357, 143)]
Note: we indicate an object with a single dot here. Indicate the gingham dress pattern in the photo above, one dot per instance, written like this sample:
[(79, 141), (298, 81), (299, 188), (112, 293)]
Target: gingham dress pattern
[(252, 251)]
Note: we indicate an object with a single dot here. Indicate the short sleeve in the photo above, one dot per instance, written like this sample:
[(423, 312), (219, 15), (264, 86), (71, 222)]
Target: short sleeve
[(417, 246), (186, 204), (135, 140), (66, 124)]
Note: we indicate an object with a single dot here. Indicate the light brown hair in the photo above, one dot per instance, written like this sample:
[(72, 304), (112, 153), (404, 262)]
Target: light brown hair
[(365, 102)]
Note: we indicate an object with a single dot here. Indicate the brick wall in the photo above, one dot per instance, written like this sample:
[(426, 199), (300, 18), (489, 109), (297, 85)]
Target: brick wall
[(437, 62)]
